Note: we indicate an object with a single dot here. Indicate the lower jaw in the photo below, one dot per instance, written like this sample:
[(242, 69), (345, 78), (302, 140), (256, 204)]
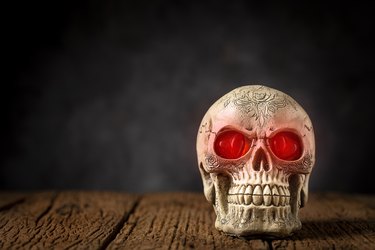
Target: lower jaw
[(250, 220)]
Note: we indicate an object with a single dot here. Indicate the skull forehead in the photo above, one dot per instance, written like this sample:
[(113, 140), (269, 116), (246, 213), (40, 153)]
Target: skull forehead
[(257, 107)]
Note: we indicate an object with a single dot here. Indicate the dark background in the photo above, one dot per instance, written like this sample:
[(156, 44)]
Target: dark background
[(109, 95)]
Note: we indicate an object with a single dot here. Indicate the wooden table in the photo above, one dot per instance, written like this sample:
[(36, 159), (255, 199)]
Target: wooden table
[(99, 220)]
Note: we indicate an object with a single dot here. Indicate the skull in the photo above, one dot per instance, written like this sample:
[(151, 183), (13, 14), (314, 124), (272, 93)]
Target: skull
[(256, 150)]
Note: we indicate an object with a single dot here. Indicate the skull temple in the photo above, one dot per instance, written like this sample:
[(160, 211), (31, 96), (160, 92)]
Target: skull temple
[(256, 150)]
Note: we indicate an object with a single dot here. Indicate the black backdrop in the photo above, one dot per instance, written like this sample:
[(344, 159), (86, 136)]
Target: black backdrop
[(109, 95)]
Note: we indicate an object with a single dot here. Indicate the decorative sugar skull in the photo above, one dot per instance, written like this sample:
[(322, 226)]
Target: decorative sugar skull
[(256, 150)]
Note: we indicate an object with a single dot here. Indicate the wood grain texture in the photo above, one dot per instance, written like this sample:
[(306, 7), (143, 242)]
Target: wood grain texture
[(101, 220), (176, 221), (65, 220), (332, 221)]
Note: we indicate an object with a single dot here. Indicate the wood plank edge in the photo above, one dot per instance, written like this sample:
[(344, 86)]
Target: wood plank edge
[(112, 236)]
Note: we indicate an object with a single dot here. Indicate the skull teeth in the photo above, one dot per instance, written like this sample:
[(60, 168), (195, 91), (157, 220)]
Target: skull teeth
[(259, 195)]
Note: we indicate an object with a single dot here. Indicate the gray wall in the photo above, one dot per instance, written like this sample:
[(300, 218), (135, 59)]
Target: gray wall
[(110, 95)]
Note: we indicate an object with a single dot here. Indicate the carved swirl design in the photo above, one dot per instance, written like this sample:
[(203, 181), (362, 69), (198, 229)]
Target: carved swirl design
[(303, 166), (212, 161), (213, 164)]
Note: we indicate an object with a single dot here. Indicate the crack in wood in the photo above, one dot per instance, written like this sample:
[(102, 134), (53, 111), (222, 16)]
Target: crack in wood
[(175, 227), (133, 225), (45, 212), (151, 225), (12, 204), (186, 228), (74, 244), (116, 230), (38, 229)]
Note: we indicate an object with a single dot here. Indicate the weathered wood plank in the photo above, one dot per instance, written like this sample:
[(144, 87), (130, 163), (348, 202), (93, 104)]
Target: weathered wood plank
[(66, 220), (332, 221), (18, 223), (176, 221), (97, 220)]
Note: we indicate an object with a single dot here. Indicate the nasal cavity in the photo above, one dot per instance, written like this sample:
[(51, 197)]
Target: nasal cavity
[(260, 161)]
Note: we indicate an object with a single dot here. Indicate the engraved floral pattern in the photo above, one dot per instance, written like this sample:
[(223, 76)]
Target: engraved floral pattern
[(212, 161), (260, 105), (303, 166)]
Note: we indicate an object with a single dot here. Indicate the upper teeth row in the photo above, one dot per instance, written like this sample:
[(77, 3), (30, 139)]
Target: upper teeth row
[(259, 190), (247, 194)]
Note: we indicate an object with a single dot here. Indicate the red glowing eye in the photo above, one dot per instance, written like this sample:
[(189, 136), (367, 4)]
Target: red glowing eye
[(231, 144), (286, 146)]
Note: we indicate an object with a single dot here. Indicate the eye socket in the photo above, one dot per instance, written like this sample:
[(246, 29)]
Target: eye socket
[(231, 144), (286, 146)]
